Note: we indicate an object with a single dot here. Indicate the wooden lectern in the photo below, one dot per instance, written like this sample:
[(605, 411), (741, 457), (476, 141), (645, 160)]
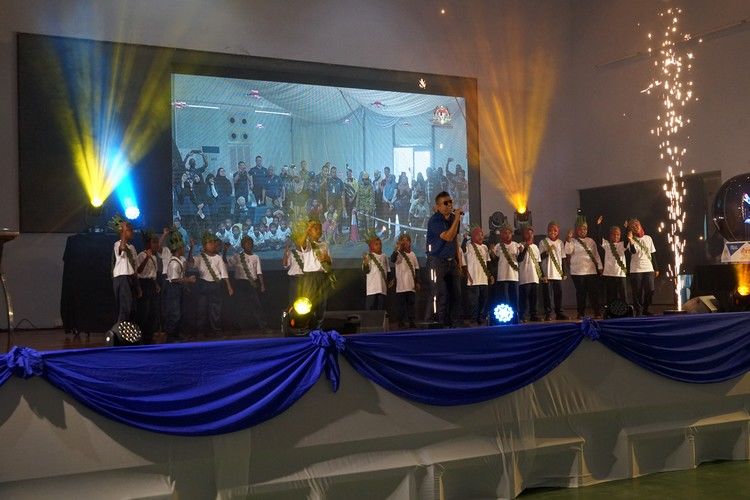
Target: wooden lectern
[(5, 236)]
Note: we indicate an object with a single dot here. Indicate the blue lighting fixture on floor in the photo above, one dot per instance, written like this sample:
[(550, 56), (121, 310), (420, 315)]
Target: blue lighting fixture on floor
[(502, 314)]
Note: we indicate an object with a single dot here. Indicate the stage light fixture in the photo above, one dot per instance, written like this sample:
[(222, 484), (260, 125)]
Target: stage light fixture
[(299, 319), (743, 290), (132, 213), (740, 300), (497, 220), (521, 219), (618, 308), (302, 306), (123, 333), (502, 314)]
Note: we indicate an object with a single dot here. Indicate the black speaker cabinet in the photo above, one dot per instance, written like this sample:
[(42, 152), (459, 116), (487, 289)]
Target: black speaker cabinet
[(348, 322)]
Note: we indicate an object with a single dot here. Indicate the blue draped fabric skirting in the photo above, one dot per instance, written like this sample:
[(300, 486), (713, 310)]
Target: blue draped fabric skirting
[(219, 387)]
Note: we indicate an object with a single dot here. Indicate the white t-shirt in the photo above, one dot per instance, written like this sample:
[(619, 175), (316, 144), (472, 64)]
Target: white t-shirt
[(258, 238), (580, 262), (557, 249), (404, 276), (293, 268), (312, 264), (611, 268), (474, 266), (504, 270), (640, 261), (217, 264), (283, 234), (526, 268), (376, 281), (251, 261), (149, 270), (165, 255), (175, 268), (123, 267)]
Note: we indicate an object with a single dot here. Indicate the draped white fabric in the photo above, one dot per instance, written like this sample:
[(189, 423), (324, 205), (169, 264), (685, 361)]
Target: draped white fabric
[(311, 103), (596, 417), (286, 123)]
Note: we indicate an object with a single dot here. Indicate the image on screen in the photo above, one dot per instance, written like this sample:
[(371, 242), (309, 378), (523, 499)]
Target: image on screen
[(260, 158)]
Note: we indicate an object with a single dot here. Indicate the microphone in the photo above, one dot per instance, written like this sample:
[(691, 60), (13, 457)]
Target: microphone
[(458, 212)]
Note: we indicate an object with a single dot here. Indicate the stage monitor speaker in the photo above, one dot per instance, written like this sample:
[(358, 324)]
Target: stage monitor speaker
[(701, 304), (348, 322)]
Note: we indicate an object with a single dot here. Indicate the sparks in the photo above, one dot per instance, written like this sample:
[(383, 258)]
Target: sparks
[(673, 93)]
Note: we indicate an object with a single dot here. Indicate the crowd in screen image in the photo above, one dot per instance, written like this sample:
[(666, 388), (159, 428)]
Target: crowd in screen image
[(264, 202)]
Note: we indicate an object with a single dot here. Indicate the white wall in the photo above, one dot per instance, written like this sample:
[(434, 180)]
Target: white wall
[(588, 142), (613, 119)]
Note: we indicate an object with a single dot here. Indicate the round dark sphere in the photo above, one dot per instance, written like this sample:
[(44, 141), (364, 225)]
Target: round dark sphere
[(732, 208)]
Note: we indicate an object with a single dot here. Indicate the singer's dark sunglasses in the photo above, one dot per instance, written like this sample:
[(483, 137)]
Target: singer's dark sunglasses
[(448, 202)]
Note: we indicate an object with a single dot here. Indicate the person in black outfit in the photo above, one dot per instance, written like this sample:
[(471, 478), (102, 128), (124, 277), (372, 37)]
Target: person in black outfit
[(443, 262)]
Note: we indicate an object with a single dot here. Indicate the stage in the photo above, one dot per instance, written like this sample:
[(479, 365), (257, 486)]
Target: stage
[(464, 413)]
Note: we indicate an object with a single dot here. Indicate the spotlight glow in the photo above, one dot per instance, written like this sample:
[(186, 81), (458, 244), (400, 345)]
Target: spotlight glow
[(302, 306), (126, 196), (132, 213), (675, 92), (515, 109), (742, 272), (503, 313), (95, 114)]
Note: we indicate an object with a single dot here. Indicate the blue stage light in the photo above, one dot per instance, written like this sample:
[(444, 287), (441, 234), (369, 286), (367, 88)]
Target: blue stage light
[(132, 213), (125, 192), (503, 314)]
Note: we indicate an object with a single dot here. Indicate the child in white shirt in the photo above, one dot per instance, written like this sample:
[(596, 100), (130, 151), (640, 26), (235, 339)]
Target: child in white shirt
[(552, 251), (643, 267), (212, 272), (124, 280), (585, 267), (507, 252), (529, 276), (406, 264), (249, 284), (478, 276), (376, 268)]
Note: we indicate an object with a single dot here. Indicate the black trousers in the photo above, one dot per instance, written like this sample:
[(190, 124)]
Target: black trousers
[(125, 293), (555, 288), (172, 303), (210, 298), (294, 289), (445, 291), (406, 303), (316, 287), (642, 288), (245, 303), (587, 285), (147, 309), (507, 293), (615, 288), (477, 302), (528, 301), (375, 302)]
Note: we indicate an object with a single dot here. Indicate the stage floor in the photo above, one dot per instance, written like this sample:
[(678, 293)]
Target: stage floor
[(55, 339)]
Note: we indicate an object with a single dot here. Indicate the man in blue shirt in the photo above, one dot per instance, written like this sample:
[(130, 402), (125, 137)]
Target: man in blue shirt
[(442, 260), (259, 175), (273, 191)]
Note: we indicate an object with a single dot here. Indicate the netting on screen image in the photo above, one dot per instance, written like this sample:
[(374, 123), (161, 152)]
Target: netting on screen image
[(260, 158)]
